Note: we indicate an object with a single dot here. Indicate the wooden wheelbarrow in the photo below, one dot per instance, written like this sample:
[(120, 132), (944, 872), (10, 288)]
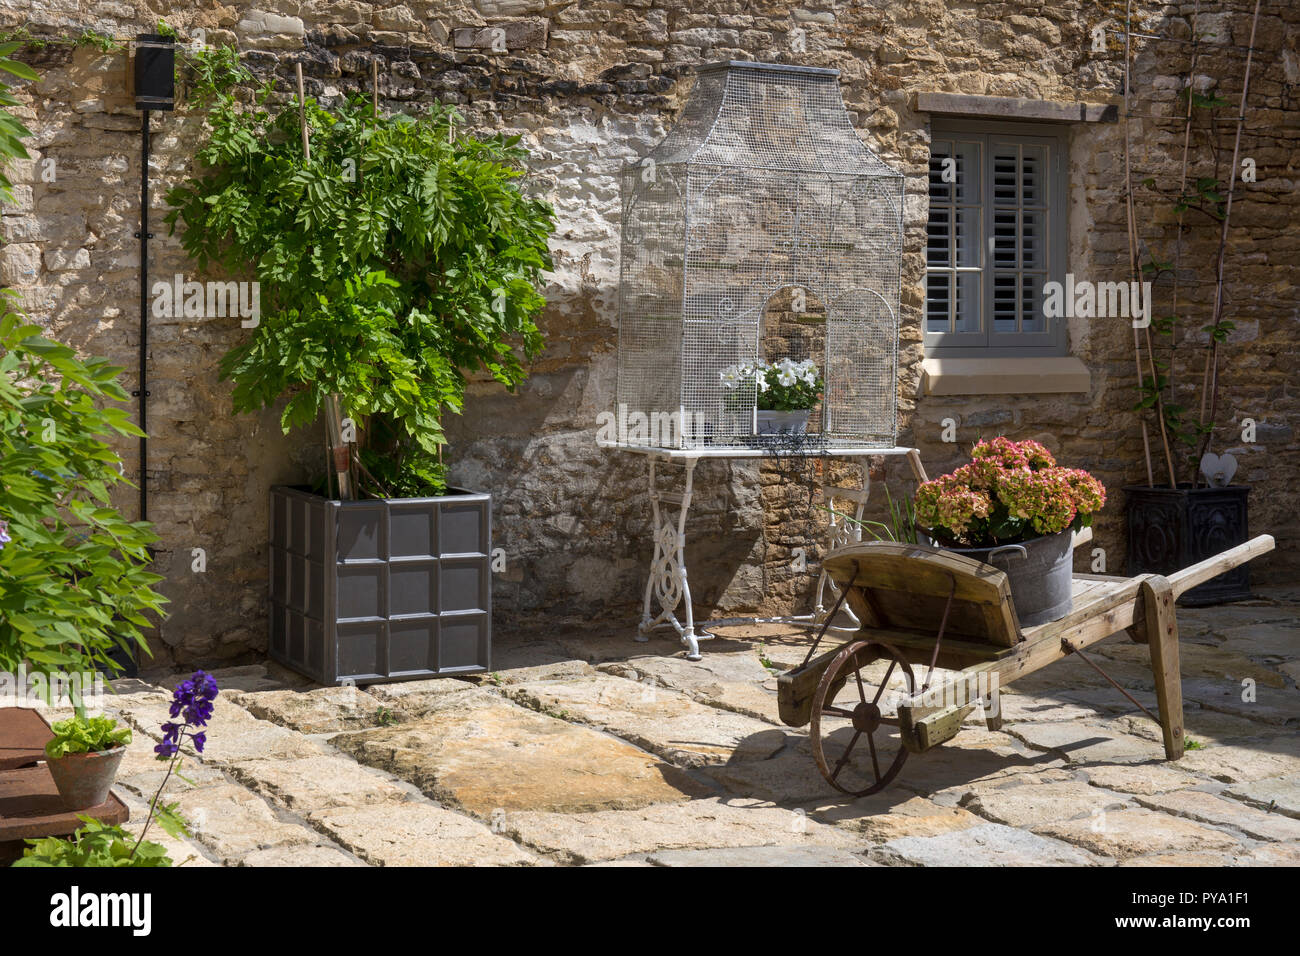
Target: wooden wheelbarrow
[(920, 605)]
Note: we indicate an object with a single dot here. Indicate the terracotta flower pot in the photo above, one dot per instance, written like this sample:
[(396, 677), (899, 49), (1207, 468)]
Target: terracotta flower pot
[(83, 780)]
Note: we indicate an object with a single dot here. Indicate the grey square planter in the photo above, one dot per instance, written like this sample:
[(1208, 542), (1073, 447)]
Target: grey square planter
[(381, 590)]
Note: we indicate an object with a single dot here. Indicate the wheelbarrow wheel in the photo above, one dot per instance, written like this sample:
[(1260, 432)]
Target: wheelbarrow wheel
[(880, 754)]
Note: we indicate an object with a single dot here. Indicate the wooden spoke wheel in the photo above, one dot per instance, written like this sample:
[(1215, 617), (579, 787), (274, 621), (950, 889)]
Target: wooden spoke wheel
[(866, 756)]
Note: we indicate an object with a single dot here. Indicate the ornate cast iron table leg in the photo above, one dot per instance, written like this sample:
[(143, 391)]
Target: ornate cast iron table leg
[(667, 585), (841, 532)]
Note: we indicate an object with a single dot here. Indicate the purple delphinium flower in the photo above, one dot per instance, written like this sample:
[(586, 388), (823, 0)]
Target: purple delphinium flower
[(4, 534), (192, 702)]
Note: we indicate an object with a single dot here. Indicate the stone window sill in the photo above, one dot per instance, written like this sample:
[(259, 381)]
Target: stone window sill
[(1004, 376)]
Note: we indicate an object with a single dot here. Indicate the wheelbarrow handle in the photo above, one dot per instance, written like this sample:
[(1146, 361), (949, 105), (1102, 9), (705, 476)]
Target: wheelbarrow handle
[(1212, 567)]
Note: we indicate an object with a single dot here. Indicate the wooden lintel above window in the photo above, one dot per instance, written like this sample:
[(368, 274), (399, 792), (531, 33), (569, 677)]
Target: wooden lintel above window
[(1011, 108)]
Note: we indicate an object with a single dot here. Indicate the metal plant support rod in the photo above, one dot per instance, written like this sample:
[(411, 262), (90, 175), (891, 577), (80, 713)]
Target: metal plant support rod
[(1193, 42), (1071, 649), (142, 377)]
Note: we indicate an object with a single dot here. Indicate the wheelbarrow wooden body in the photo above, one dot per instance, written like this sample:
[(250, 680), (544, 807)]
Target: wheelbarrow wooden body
[(937, 609)]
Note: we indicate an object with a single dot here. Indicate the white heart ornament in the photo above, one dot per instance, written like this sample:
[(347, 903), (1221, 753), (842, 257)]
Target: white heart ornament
[(1218, 469)]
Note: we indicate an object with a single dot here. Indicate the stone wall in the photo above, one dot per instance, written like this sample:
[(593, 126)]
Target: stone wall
[(591, 86)]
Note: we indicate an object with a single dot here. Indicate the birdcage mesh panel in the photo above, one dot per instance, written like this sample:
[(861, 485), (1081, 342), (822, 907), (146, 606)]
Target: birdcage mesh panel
[(761, 228), (650, 292)]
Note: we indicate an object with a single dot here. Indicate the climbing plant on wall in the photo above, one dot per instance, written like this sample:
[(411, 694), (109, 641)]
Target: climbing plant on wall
[(397, 256)]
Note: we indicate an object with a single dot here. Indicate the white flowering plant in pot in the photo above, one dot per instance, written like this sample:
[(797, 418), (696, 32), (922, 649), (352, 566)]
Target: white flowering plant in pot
[(784, 393)]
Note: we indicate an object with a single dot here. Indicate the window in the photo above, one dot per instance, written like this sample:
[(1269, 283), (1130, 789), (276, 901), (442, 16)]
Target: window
[(995, 237)]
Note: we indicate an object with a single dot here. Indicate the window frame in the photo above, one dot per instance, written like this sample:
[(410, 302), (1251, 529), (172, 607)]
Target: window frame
[(989, 133)]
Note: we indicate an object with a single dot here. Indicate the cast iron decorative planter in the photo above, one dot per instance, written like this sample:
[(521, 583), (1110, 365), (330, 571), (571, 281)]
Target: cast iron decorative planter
[(381, 590), (1169, 529)]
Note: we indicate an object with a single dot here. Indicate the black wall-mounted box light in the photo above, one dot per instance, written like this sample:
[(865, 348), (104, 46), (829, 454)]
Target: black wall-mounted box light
[(155, 72)]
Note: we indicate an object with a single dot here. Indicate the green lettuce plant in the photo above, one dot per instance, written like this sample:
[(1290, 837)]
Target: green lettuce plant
[(81, 735), (397, 258)]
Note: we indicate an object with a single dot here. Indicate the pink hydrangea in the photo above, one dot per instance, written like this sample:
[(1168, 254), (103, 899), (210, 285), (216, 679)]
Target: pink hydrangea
[(1005, 484)]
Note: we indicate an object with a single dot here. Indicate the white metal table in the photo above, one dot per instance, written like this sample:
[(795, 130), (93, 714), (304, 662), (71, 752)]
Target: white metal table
[(668, 586)]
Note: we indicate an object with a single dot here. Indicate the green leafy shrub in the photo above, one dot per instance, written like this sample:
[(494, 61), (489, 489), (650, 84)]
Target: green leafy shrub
[(81, 735), (94, 844), (401, 256), (74, 581), (11, 130)]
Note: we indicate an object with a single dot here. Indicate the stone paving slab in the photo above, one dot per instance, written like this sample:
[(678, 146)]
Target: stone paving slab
[(1225, 616), (1198, 660), (1137, 832), (1079, 742), (483, 753), (989, 844), (1132, 670), (697, 825), (760, 856), (1208, 808), (731, 682), (1275, 794), (300, 856), (1105, 701), (412, 700), (232, 821), (1141, 778), (418, 834), (1261, 703), (319, 711), (181, 850), (568, 669), (1191, 858), (889, 815), (1020, 708), (1033, 804), (305, 784), (1276, 641), (248, 677), (790, 776), (1276, 854), (233, 735), (1243, 761), (142, 773), (947, 772), (665, 722), (1206, 727)]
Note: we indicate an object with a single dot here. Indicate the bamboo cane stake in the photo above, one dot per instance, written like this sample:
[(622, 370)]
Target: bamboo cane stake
[(1137, 274), (333, 404), (1212, 354), (1182, 191), (1132, 243)]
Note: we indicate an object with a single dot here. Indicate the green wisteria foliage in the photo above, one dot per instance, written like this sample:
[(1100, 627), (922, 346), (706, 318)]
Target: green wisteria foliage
[(402, 256)]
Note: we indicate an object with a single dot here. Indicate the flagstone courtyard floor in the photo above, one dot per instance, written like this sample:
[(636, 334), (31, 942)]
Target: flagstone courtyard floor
[(583, 747)]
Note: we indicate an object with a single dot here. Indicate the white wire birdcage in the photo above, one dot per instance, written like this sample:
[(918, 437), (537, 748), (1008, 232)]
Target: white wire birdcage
[(761, 228)]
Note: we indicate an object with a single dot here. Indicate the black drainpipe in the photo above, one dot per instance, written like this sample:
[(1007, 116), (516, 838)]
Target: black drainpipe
[(155, 89), (142, 390)]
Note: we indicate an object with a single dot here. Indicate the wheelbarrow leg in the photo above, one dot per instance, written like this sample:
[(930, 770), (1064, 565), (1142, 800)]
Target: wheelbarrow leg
[(992, 705), (1162, 637)]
